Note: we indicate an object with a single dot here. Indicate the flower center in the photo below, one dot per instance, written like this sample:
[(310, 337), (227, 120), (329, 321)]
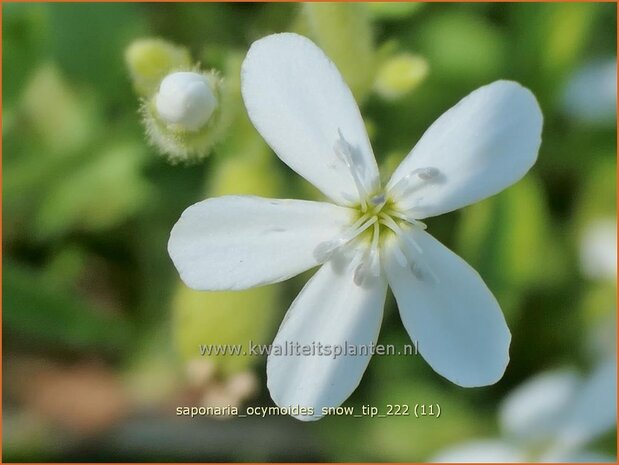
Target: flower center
[(378, 216)]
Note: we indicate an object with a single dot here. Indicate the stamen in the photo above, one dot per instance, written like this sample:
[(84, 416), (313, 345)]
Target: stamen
[(325, 249), (405, 255), (407, 183), (370, 263), (410, 213), (400, 257), (402, 215), (388, 221), (374, 251), (417, 271), (418, 265), (344, 152), (423, 272)]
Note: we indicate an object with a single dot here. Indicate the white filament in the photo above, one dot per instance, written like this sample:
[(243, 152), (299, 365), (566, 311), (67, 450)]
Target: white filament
[(344, 152), (370, 265), (408, 182), (325, 249)]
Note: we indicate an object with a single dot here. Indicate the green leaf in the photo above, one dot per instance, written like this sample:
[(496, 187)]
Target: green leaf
[(89, 41), (219, 318), (344, 32), (548, 40), (34, 308), (506, 238), (393, 11), (60, 116), (598, 194), (97, 195), (25, 33), (461, 48)]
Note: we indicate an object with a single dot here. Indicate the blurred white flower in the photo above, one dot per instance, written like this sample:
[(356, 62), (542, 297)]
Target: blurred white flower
[(369, 236), (598, 250), (185, 100), (591, 93), (550, 418), (482, 451)]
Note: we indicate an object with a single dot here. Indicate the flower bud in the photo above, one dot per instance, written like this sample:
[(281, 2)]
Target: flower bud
[(64, 119), (149, 60), (185, 100), (183, 118), (185, 111), (399, 75)]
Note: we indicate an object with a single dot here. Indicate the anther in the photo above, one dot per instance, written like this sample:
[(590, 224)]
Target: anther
[(325, 250), (414, 262), (408, 183), (423, 273), (391, 224), (427, 174), (400, 257)]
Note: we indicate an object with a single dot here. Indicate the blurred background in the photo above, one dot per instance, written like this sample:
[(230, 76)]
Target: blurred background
[(100, 337)]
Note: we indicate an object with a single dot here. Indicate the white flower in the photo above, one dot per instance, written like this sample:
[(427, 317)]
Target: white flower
[(369, 236), (590, 95), (598, 250), (553, 417), (185, 100)]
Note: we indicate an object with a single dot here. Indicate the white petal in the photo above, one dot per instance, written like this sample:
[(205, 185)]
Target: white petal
[(485, 143), (237, 242), (579, 457), (448, 310), (593, 410), (334, 311), (536, 409), (299, 102), (483, 451), (590, 95), (598, 249)]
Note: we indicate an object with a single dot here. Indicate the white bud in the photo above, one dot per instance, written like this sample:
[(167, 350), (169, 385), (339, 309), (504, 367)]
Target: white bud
[(185, 99)]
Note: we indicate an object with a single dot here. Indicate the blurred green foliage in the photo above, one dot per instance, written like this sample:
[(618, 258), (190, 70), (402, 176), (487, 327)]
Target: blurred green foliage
[(88, 207)]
